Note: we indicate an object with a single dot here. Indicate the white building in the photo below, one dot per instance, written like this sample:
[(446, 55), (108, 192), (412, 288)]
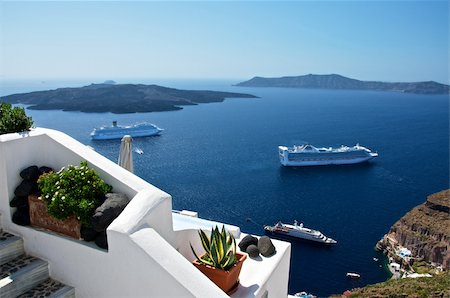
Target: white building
[(149, 253)]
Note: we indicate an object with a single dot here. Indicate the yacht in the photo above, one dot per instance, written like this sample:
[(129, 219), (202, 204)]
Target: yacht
[(353, 275), (118, 131), (308, 155), (299, 231)]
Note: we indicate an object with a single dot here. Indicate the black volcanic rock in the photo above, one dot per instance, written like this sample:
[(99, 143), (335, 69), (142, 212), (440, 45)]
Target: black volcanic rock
[(252, 251), (247, 241), (266, 247), (25, 188), (118, 98), (45, 169), (105, 214), (88, 234), (30, 173), (335, 81), (19, 202), (21, 216), (101, 240)]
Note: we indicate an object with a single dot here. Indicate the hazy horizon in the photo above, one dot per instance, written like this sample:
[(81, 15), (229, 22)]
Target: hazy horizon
[(391, 41)]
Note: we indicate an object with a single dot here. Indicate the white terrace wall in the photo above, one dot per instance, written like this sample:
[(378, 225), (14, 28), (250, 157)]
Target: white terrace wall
[(141, 260)]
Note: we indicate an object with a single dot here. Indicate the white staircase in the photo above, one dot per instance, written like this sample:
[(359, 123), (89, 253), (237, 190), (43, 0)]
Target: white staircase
[(26, 276)]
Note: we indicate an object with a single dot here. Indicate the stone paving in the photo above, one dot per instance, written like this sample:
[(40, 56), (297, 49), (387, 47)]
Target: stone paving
[(15, 265), (4, 236), (44, 289)]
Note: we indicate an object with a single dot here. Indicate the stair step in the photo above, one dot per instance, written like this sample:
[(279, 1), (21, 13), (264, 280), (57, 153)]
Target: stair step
[(11, 247), (50, 289), (21, 275)]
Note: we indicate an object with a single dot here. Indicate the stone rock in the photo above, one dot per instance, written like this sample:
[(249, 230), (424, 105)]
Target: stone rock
[(88, 234), (45, 169), (101, 240), (246, 241), (25, 188), (21, 217), (266, 247), (19, 202), (252, 251), (109, 210), (30, 173)]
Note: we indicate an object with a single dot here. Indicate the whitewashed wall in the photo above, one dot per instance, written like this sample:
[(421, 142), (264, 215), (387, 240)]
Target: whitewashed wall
[(148, 256), (141, 260)]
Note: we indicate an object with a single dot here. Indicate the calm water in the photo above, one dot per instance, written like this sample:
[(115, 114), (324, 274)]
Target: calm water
[(221, 160)]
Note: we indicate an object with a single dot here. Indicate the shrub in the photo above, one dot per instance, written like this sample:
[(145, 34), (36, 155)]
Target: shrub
[(220, 249), (75, 190), (13, 119)]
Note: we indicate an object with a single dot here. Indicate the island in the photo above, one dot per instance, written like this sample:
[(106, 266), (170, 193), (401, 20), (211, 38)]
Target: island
[(335, 81), (118, 98)]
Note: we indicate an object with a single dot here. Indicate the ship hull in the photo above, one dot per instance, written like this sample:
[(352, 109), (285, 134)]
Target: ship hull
[(342, 161), (307, 155), (297, 236), (118, 131), (133, 134), (298, 232)]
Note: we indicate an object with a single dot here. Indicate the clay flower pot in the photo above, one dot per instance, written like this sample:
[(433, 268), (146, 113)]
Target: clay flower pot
[(228, 281), (40, 218)]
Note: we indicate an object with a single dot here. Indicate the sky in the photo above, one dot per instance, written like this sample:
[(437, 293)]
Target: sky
[(370, 40)]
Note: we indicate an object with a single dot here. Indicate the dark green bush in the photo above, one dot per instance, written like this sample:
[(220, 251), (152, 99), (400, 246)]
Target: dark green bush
[(75, 190), (13, 119)]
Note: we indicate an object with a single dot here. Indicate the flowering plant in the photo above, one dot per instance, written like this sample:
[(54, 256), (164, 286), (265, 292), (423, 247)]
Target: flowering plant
[(75, 190)]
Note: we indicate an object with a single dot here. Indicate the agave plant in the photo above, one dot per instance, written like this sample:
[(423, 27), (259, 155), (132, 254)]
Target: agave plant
[(220, 249)]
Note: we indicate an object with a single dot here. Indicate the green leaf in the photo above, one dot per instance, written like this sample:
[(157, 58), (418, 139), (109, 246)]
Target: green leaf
[(205, 241)]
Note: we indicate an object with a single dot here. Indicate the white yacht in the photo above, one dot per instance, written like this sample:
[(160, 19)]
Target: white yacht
[(299, 231), (353, 275), (118, 131), (308, 155)]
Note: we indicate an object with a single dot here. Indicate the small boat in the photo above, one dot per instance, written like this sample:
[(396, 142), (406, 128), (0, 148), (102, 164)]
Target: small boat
[(353, 275), (139, 151), (299, 231), (375, 259), (308, 155), (304, 295), (118, 131)]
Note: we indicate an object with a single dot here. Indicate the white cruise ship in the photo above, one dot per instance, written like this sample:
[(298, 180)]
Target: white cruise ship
[(118, 131), (299, 231), (308, 155)]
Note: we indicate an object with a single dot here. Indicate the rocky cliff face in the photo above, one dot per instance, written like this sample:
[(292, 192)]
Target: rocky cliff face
[(425, 231)]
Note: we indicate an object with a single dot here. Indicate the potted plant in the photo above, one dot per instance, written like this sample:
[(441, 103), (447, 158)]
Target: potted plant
[(70, 197), (220, 263)]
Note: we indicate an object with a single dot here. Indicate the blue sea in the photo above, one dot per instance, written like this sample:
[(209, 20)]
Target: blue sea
[(221, 160)]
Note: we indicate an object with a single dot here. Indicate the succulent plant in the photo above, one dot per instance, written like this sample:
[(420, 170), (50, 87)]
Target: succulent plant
[(220, 249)]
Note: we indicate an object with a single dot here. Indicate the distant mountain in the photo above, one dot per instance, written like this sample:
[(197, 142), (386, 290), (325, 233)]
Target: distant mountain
[(118, 98), (335, 81), (110, 82)]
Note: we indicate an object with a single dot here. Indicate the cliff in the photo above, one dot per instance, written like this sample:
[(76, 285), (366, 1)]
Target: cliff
[(118, 98), (425, 231), (335, 81)]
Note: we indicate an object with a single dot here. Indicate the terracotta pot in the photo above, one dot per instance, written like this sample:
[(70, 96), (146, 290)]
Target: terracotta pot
[(40, 218), (226, 280)]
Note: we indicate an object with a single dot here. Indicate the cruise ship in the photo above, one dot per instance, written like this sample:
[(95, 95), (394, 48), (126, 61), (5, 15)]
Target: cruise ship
[(308, 155), (299, 231), (118, 131)]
